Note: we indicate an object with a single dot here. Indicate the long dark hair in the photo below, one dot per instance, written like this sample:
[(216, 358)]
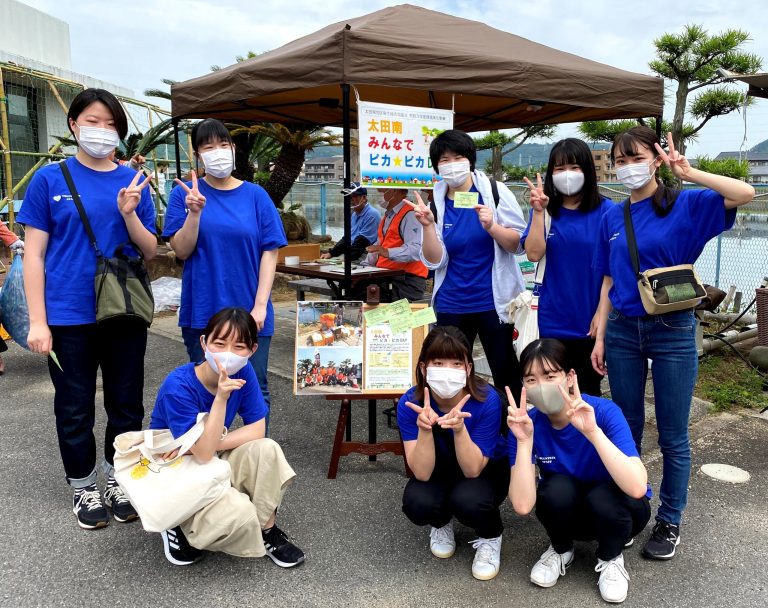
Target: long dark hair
[(447, 342), (572, 151), (629, 144), (230, 321)]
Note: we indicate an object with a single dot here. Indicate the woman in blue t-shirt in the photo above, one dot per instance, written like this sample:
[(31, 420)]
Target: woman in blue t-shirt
[(472, 251), (227, 232), (450, 423), (671, 227), (570, 291), (593, 485), (59, 270), (241, 521)]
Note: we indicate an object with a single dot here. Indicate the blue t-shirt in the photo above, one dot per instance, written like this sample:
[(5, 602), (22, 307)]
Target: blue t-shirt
[(366, 223), (70, 260), (570, 291), (484, 426), (467, 286), (568, 452), (182, 397), (678, 238), (236, 227)]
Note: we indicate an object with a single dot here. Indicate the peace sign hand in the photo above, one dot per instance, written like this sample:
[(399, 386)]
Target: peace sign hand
[(424, 214), (128, 198), (426, 415), (539, 200), (518, 420), (194, 200), (454, 420), (677, 163), (226, 384), (582, 414)]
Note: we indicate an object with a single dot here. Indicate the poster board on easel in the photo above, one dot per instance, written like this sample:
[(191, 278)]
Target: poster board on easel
[(335, 347)]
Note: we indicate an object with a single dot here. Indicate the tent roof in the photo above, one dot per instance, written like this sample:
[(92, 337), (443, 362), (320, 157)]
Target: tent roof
[(413, 56)]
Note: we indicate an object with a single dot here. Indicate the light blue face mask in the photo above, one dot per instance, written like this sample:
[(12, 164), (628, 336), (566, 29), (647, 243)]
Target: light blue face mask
[(546, 397)]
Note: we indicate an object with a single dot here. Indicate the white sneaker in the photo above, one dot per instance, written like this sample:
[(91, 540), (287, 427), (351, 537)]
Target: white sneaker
[(441, 541), (550, 567), (487, 558), (614, 580)]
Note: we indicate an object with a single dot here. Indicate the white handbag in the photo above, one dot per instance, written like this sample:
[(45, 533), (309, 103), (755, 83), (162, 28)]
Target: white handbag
[(166, 493), (524, 309)]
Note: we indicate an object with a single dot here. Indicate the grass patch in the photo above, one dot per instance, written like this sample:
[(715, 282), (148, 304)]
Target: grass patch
[(728, 382)]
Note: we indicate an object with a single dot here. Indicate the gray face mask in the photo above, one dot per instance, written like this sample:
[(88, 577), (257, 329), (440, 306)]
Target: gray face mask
[(546, 397)]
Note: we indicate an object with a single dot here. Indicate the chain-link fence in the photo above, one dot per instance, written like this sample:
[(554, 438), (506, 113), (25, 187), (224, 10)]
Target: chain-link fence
[(34, 132), (737, 257)]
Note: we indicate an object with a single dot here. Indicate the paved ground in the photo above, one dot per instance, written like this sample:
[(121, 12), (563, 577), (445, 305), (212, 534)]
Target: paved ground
[(361, 550)]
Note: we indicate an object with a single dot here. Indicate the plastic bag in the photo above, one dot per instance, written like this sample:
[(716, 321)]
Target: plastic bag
[(13, 302), (524, 313), (167, 293)]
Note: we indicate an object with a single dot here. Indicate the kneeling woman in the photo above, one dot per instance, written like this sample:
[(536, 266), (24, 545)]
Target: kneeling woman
[(450, 423), (593, 485), (242, 521)]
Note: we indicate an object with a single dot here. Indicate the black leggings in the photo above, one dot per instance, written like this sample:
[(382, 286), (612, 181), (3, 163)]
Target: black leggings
[(473, 502), (570, 510), (580, 355)]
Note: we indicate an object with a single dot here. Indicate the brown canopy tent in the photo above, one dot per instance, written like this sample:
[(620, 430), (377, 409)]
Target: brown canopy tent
[(413, 56)]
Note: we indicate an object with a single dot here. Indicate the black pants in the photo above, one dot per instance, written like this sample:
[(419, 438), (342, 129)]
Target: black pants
[(118, 349), (408, 286), (580, 354), (496, 338), (570, 510), (447, 494)]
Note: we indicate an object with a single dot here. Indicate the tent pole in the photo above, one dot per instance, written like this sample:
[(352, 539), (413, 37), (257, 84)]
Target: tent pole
[(658, 127), (176, 147), (347, 185)]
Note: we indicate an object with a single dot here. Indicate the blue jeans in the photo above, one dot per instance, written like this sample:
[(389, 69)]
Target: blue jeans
[(117, 348), (669, 342), (259, 360)]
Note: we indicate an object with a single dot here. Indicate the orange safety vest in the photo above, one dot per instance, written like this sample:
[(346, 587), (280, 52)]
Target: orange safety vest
[(393, 239)]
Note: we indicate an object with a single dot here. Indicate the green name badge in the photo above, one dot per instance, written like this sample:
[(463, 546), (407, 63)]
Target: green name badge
[(465, 200), (678, 293)]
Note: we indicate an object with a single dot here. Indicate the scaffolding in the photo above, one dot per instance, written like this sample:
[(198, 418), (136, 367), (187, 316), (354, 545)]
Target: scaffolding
[(34, 132)]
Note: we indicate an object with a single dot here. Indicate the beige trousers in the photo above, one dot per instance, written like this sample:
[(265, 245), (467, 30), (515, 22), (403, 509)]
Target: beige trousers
[(232, 523)]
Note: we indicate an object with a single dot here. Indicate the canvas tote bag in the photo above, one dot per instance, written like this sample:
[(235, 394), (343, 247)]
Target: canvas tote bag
[(166, 493)]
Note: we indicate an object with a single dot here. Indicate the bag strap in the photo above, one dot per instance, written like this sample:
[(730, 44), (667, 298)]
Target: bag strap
[(183, 443), (79, 204), (631, 242), (495, 192), (541, 266)]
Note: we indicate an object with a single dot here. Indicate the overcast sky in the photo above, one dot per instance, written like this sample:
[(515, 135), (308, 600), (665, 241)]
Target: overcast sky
[(135, 44)]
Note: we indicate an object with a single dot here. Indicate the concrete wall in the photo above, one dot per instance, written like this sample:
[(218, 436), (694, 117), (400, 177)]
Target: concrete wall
[(31, 33)]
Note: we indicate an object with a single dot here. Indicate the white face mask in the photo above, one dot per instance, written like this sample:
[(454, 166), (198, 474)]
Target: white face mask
[(219, 162), (446, 382), (455, 174), (546, 397), (97, 142), (636, 175), (568, 182), (231, 362)]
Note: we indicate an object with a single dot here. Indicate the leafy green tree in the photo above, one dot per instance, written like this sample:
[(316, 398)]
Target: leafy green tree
[(693, 60), (515, 173), (730, 167), (501, 144)]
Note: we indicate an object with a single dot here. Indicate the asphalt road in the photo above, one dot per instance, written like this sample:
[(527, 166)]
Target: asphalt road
[(361, 550)]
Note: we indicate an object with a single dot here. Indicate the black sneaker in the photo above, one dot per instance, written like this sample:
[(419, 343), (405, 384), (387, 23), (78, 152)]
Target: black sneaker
[(663, 542), (88, 508), (177, 550), (280, 550), (115, 499)]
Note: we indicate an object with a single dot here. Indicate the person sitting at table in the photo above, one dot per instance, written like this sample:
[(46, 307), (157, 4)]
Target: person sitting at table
[(398, 247), (451, 426), (365, 221)]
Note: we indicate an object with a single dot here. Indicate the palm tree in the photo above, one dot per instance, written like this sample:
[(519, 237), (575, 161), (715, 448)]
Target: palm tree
[(161, 93), (295, 142)]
